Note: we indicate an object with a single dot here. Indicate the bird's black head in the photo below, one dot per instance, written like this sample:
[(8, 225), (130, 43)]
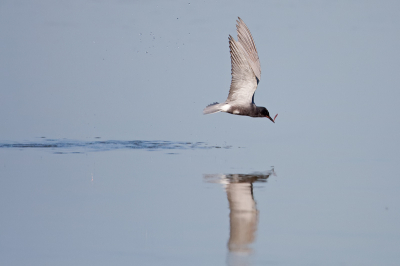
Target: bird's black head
[(263, 112)]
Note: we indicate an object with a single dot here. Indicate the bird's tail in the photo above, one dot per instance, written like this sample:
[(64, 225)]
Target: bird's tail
[(213, 108)]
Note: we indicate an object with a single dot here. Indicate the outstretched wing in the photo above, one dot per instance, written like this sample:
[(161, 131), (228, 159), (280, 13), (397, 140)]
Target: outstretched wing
[(246, 40), (246, 69)]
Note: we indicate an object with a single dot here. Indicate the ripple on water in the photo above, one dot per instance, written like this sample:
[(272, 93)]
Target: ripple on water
[(62, 146)]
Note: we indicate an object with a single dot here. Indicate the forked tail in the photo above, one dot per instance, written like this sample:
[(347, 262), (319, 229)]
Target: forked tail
[(213, 108)]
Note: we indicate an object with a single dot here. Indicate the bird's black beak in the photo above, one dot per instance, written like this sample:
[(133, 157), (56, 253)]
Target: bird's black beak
[(271, 119)]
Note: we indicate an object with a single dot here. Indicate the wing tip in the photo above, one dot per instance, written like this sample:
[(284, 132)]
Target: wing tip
[(239, 21)]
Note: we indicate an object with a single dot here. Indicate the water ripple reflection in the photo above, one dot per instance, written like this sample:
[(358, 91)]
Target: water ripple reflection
[(60, 146), (243, 217)]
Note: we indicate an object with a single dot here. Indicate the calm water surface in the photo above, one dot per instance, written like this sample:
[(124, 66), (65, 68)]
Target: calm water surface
[(195, 207), (106, 158)]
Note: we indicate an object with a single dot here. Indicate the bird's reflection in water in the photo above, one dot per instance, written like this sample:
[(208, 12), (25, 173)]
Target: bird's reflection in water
[(243, 212)]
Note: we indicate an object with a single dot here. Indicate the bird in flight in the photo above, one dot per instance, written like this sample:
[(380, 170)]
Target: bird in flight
[(246, 74)]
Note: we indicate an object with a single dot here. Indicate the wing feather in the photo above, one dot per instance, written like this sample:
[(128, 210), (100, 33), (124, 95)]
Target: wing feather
[(246, 69), (246, 40)]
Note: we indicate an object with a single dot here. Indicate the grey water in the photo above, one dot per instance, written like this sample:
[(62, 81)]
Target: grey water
[(106, 158), (77, 146)]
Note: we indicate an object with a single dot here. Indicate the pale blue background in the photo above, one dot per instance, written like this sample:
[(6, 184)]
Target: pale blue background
[(144, 70)]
